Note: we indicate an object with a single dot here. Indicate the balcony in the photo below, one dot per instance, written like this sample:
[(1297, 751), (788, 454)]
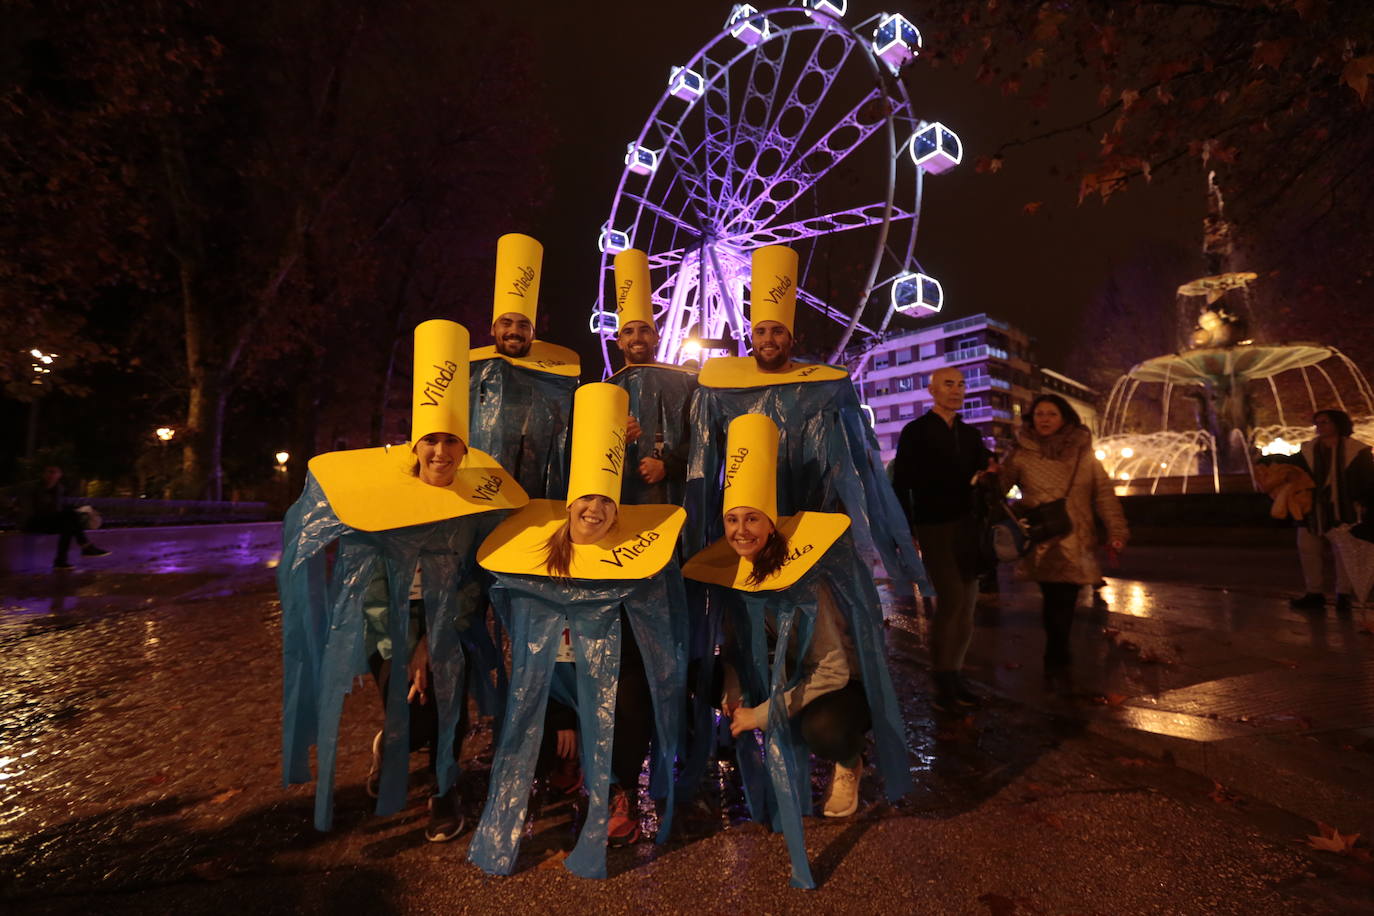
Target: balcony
[(978, 414), (980, 352)]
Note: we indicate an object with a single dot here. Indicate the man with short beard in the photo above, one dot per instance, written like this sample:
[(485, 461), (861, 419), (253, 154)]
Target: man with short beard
[(521, 393), (659, 434), (827, 455)]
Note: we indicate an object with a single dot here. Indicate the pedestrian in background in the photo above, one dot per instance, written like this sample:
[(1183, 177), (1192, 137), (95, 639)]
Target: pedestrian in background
[(46, 514), (1343, 470), (940, 459), (1053, 460)]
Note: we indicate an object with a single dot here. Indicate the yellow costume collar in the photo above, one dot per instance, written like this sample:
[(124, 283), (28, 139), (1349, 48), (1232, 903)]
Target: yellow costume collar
[(372, 489), (543, 357), (639, 546), (809, 536), (683, 369), (743, 372)]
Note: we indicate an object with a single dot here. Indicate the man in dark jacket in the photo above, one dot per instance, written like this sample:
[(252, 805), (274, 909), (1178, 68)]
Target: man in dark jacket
[(939, 459), (1343, 471), (45, 514)]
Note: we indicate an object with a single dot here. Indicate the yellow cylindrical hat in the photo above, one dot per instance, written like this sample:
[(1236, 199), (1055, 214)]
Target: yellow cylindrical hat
[(751, 465), (439, 392), (518, 262), (632, 301), (773, 285), (598, 441)]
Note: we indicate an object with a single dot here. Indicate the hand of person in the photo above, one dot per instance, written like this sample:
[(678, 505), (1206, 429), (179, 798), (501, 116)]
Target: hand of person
[(632, 429), (418, 671), (651, 470), (745, 719), (566, 743)]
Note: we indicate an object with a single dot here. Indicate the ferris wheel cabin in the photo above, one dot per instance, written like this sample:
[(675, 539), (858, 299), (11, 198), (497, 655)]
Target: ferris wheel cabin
[(896, 41), (935, 148)]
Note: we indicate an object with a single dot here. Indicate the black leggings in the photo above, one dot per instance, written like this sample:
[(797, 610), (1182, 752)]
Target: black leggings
[(1057, 616), (634, 717), (424, 717), (834, 724)]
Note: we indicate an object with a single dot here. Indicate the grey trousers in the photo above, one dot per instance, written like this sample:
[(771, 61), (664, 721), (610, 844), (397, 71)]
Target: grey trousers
[(1310, 554), (949, 551)]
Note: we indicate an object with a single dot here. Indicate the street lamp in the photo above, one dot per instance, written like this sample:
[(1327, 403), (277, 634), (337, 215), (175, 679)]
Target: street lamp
[(282, 458), (165, 433), (41, 370)]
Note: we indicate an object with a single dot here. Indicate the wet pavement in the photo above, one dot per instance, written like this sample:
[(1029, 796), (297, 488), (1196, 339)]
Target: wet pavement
[(1179, 770)]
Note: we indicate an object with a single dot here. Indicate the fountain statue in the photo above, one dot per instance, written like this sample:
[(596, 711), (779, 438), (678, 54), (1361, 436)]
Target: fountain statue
[(1217, 372)]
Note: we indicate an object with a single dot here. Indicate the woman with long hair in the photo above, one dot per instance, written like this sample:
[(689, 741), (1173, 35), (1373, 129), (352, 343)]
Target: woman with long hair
[(1053, 460), (606, 575), (805, 672)]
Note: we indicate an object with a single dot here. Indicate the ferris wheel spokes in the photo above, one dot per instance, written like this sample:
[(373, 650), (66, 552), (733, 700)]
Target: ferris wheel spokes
[(825, 224)]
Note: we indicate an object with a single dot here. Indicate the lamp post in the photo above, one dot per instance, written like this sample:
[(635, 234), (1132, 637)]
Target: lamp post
[(165, 434), (42, 368)]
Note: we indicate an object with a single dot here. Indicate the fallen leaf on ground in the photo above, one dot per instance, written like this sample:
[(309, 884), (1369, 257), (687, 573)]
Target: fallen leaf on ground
[(553, 861), (1222, 795), (224, 796), (1332, 840)]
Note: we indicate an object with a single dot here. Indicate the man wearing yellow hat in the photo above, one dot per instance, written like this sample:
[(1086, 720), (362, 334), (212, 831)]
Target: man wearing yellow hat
[(804, 655), (659, 433), (606, 572), (521, 392), (828, 457), (406, 523)]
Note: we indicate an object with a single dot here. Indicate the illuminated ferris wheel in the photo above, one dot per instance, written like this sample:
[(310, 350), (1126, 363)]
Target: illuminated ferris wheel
[(788, 127)]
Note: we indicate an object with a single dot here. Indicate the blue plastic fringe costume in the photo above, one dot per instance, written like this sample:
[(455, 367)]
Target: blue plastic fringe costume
[(323, 637), (534, 608), (659, 400), (776, 774), (520, 417), (827, 462)]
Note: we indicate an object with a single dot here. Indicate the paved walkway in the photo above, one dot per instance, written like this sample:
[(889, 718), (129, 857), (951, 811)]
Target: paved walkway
[(1222, 678)]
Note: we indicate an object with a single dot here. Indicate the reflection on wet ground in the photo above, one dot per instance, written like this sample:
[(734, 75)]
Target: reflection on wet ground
[(139, 749)]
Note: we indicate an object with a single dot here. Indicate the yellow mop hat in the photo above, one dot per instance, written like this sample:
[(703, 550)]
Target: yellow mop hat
[(751, 465), (439, 391), (632, 301), (518, 262), (600, 412), (773, 285)]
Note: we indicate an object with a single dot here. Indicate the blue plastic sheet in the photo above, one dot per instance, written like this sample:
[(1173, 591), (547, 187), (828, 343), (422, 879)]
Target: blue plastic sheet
[(520, 417), (776, 772), (324, 638), (660, 400), (828, 461), (534, 610)]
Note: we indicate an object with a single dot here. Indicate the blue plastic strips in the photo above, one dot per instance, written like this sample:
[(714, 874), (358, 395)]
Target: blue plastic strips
[(520, 418), (324, 638), (534, 609), (828, 461)]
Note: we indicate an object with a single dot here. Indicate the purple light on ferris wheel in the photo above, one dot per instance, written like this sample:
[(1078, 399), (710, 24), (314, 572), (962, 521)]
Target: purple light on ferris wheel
[(896, 41), (749, 31)]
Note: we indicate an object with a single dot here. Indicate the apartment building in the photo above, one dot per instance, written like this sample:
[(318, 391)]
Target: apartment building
[(998, 367)]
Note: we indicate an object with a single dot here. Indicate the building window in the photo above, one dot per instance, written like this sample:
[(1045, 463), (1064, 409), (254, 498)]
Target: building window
[(905, 383), (973, 403), (880, 361), (881, 389), (902, 357), (928, 350), (906, 411), (923, 381)]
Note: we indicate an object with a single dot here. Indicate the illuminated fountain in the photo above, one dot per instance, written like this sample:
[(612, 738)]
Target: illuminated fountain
[(1240, 396)]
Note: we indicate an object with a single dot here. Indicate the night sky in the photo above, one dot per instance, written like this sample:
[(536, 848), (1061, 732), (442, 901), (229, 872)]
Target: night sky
[(603, 74)]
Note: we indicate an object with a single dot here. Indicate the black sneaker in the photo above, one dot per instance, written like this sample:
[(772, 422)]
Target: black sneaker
[(445, 817), (90, 550), (62, 564), (1312, 601)]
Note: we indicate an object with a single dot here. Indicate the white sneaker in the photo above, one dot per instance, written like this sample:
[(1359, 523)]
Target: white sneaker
[(842, 798)]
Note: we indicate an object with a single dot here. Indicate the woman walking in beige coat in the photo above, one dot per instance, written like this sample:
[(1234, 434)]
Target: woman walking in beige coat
[(1054, 460)]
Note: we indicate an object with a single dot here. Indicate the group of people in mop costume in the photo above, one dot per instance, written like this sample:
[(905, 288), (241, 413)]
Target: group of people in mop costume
[(667, 557)]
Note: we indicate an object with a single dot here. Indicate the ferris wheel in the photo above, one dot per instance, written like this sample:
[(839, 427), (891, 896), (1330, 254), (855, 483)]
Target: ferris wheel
[(788, 127)]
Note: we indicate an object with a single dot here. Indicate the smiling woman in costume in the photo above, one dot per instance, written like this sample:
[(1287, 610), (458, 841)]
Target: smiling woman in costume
[(406, 523), (589, 566), (804, 650)]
